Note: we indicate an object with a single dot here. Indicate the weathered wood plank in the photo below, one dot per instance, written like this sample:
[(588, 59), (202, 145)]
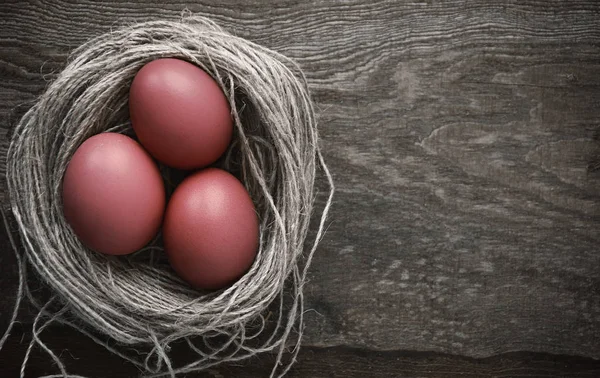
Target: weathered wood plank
[(80, 357), (459, 134)]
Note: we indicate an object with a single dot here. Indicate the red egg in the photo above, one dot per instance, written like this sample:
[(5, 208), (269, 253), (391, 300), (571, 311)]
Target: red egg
[(180, 114), (113, 194), (211, 229)]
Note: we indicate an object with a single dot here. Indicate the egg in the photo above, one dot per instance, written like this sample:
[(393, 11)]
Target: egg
[(113, 194), (211, 230), (179, 114)]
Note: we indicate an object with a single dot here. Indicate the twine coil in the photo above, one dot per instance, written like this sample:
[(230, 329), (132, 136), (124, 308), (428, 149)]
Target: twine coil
[(137, 300)]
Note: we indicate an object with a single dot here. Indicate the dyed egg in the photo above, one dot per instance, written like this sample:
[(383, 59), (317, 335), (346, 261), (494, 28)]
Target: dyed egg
[(210, 229), (113, 194), (180, 114)]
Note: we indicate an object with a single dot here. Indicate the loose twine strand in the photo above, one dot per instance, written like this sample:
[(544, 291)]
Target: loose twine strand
[(138, 301)]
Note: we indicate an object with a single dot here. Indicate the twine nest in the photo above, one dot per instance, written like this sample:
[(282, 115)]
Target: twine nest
[(137, 300)]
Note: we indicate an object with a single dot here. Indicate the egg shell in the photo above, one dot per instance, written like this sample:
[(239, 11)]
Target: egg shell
[(113, 194), (211, 229), (180, 114)]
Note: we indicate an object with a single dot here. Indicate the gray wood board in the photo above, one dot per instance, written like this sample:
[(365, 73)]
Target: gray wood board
[(459, 134), (314, 362)]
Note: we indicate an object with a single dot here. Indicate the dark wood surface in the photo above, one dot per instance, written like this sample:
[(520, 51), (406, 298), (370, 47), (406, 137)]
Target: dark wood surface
[(464, 238)]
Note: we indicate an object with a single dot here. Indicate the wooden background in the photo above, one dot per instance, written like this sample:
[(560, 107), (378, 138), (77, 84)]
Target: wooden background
[(464, 238)]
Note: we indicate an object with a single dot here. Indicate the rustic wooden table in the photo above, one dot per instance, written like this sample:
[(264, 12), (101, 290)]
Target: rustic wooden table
[(464, 239)]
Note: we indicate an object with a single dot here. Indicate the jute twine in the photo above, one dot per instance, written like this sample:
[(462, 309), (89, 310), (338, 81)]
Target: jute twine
[(135, 305)]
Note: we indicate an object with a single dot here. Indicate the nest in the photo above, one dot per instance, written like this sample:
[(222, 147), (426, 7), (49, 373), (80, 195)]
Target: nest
[(137, 302)]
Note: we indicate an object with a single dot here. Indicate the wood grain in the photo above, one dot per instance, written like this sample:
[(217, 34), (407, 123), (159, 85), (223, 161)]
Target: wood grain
[(459, 134), (315, 362)]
